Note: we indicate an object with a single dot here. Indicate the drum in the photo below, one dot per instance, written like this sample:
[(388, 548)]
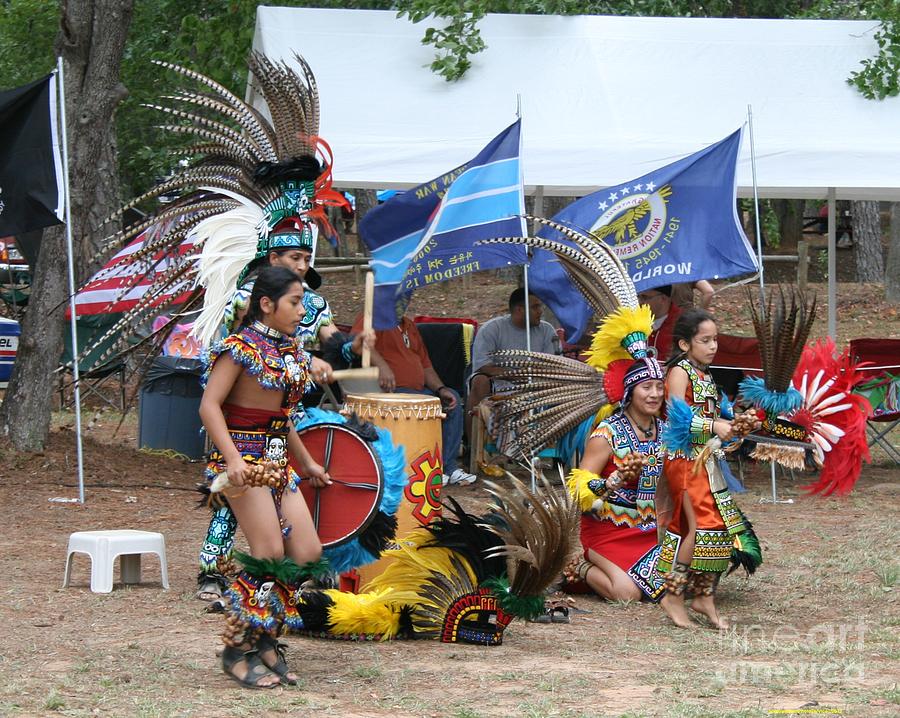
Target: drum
[(414, 422), (345, 509)]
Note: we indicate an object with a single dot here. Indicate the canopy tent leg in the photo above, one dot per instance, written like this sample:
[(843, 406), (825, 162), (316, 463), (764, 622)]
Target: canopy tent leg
[(71, 262), (832, 264)]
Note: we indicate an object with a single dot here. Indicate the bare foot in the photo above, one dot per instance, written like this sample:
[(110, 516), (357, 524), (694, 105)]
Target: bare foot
[(706, 606), (675, 609)]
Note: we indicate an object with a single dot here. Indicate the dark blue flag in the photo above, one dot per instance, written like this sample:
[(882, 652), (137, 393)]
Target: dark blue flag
[(676, 224), (428, 234), (32, 189)]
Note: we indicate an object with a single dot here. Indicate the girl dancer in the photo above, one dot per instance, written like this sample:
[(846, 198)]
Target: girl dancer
[(256, 378), (697, 544)]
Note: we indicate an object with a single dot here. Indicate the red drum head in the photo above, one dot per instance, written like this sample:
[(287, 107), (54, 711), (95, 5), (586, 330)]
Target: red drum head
[(347, 507)]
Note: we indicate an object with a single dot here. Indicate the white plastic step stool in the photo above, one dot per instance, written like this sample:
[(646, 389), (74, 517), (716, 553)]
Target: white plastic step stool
[(104, 546)]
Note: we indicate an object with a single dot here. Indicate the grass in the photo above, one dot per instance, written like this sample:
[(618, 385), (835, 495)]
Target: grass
[(887, 575)]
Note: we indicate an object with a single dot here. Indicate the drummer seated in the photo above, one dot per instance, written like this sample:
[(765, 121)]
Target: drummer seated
[(405, 367)]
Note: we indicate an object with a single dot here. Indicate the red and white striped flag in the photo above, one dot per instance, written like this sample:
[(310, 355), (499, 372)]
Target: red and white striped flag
[(124, 280)]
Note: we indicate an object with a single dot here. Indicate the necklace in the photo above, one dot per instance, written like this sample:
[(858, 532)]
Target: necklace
[(702, 368), (647, 432), (267, 331)]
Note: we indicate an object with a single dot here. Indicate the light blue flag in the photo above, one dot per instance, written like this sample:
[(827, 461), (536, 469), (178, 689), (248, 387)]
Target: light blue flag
[(428, 234)]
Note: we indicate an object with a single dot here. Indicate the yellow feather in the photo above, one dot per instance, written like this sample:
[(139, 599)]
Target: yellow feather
[(374, 613), (411, 565), (577, 484), (606, 346), (605, 412)]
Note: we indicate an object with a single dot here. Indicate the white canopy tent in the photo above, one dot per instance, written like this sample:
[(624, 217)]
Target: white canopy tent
[(604, 100)]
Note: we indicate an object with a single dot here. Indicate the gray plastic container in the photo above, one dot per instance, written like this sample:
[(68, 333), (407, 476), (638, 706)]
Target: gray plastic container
[(168, 413)]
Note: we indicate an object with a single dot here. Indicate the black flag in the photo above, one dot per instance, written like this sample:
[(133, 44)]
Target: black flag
[(31, 172)]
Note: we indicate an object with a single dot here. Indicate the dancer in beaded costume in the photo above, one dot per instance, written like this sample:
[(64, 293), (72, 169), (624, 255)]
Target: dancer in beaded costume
[(255, 379), (699, 540)]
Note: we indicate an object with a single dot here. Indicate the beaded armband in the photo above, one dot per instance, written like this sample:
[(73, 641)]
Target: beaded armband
[(598, 486), (701, 429)]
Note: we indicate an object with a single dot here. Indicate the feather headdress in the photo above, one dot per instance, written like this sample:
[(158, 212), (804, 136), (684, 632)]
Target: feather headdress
[(461, 578), (553, 395), (248, 184)]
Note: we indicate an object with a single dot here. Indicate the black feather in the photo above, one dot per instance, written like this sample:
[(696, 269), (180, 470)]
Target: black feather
[(305, 168), (313, 609), (467, 536), (379, 533)]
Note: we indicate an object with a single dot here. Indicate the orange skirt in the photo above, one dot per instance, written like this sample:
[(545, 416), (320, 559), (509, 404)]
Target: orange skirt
[(682, 481)]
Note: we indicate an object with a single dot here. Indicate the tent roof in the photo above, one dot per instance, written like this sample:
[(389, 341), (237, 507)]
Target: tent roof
[(604, 99)]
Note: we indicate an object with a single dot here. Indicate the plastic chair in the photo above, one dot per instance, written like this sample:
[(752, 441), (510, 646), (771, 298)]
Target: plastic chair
[(104, 546), (881, 388)]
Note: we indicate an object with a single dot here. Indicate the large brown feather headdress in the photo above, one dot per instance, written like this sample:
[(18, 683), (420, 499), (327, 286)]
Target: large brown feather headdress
[(461, 578), (247, 185)]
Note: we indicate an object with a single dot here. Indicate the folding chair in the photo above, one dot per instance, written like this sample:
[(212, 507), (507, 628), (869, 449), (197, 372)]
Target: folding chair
[(104, 381), (881, 388)]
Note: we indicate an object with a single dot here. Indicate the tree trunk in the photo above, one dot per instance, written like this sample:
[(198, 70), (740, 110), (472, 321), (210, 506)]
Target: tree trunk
[(790, 220), (892, 270), (366, 199), (91, 41), (866, 224)]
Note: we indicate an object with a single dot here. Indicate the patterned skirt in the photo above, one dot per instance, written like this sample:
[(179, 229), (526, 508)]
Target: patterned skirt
[(631, 549), (718, 520)]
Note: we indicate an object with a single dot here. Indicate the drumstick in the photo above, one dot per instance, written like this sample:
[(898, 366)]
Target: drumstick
[(367, 316)]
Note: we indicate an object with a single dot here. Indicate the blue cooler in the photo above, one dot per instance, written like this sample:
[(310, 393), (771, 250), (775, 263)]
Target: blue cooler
[(9, 343)]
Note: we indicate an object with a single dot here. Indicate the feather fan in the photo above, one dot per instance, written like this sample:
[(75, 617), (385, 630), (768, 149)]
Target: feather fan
[(833, 415)]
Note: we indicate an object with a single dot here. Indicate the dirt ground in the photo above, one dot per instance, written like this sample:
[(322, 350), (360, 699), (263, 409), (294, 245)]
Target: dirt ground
[(816, 627), (816, 630)]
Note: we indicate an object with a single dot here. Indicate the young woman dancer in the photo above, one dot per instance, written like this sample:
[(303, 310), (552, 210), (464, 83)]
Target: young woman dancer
[(256, 377), (697, 544), (619, 533)]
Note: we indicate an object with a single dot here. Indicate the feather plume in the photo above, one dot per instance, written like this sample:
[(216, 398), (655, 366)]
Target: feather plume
[(746, 551), (539, 534), (835, 417), (551, 395), (607, 344), (676, 433), (230, 240), (591, 264), (372, 614), (221, 204), (782, 328)]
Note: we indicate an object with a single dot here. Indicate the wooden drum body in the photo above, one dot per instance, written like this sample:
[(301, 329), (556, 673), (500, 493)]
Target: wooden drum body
[(414, 422)]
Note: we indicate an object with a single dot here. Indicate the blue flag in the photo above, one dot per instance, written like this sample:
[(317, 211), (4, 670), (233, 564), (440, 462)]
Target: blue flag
[(676, 224), (428, 234)]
